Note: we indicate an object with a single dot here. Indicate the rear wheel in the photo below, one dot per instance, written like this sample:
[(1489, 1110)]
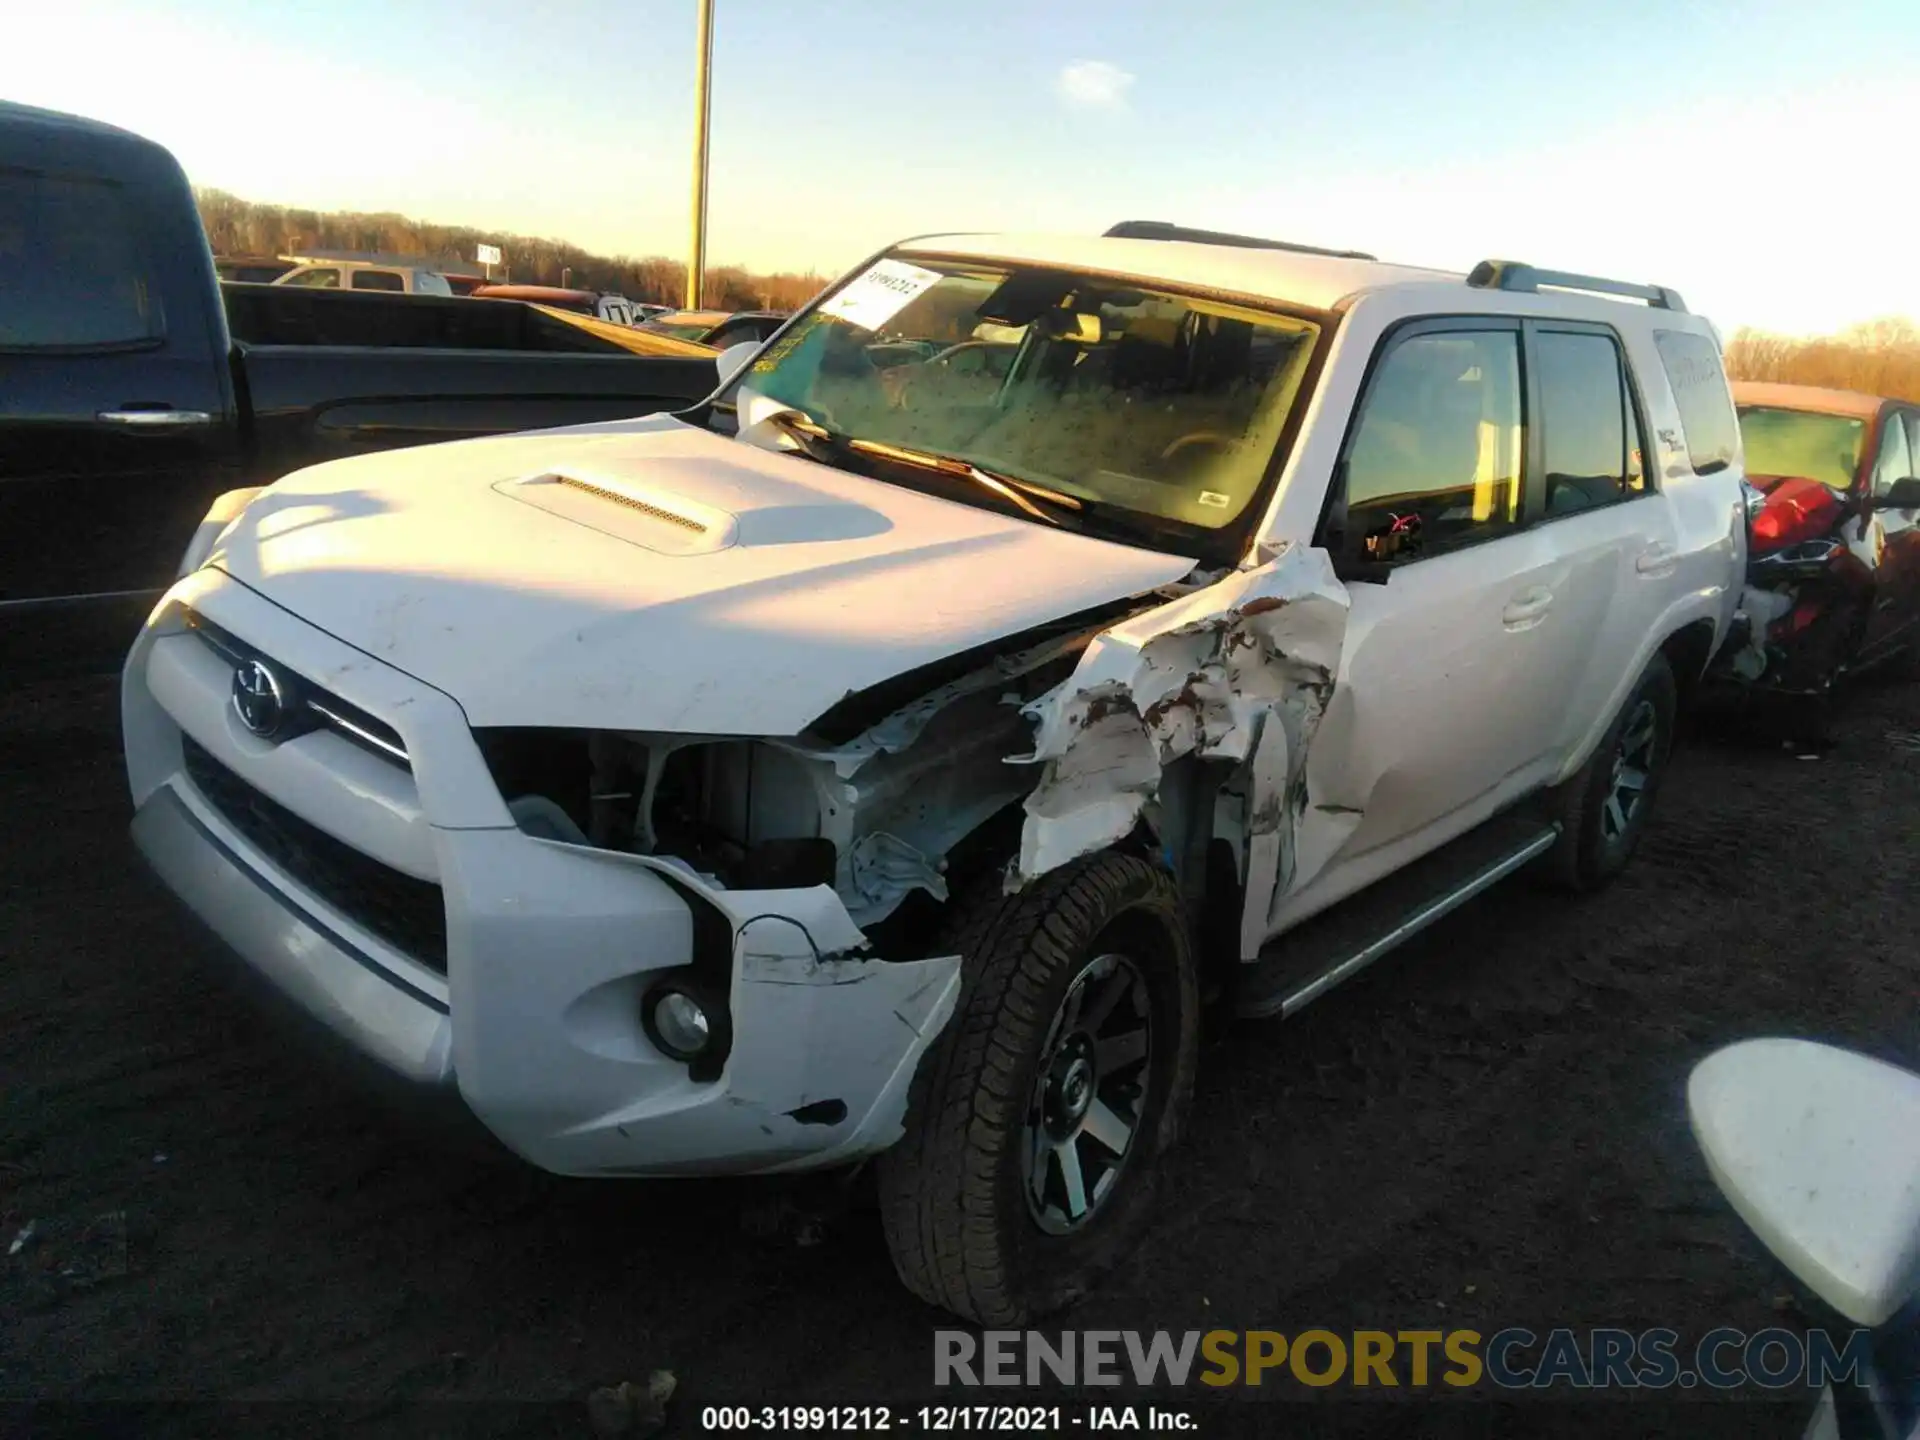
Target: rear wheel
[(1036, 1123), (1603, 809)]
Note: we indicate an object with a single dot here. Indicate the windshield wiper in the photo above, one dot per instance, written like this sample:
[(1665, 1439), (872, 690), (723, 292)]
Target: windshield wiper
[(816, 442), (1021, 493)]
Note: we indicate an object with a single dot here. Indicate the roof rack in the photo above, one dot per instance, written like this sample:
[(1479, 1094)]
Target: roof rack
[(1163, 230), (1512, 275)]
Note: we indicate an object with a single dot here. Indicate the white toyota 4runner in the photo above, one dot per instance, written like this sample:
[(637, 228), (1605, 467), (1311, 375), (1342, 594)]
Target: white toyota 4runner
[(885, 757)]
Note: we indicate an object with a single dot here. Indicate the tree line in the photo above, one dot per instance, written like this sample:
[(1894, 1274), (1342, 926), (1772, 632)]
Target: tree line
[(1881, 357), (246, 227)]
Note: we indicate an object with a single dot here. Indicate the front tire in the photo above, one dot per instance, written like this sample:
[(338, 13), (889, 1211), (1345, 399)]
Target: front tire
[(1036, 1122), (1603, 809)]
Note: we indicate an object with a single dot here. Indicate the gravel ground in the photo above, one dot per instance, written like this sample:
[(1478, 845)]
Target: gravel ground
[(1485, 1130)]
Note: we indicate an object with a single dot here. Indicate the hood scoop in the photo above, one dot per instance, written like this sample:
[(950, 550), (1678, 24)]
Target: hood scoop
[(653, 518)]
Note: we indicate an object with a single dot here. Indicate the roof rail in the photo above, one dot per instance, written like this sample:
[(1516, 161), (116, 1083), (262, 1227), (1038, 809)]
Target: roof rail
[(1512, 275), (1163, 230)]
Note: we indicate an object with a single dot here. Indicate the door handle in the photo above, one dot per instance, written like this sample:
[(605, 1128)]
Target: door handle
[(1657, 560), (156, 419), (1526, 607)]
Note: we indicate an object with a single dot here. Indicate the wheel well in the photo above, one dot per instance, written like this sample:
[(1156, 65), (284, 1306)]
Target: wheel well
[(1687, 651)]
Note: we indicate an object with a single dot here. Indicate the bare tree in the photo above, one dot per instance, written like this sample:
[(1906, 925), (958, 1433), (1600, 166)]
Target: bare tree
[(1880, 357)]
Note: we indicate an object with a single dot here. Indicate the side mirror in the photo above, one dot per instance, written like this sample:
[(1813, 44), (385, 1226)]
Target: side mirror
[(732, 360), (1818, 1149), (1903, 494)]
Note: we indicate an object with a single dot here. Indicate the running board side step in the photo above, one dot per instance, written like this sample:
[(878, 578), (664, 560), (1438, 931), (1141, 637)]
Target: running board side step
[(1302, 965)]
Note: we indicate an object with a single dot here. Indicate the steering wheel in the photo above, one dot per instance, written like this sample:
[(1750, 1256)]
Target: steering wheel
[(1197, 437)]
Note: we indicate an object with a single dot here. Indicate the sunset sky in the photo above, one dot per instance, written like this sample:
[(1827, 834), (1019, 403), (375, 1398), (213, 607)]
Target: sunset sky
[(1754, 156)]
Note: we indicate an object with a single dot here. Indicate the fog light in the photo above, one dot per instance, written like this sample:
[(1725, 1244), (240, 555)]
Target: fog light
[(678, 1023)]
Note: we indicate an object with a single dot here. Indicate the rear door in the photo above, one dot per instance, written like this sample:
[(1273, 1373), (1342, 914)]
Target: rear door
[(1461, 646), (1615, 539), (116, 416)]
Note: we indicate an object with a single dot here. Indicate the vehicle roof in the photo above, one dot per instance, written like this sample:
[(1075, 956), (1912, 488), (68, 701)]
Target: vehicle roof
[(1290, 276), (12, 113), (325, 264), (1816, 398)]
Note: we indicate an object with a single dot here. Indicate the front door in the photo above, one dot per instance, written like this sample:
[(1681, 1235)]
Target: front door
[(1459, 657)]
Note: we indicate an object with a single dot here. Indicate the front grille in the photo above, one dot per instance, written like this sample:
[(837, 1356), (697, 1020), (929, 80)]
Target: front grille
[(409, 914), (310, 707)]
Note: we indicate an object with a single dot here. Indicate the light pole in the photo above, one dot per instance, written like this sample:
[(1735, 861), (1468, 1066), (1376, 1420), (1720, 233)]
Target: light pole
[(703, 111)]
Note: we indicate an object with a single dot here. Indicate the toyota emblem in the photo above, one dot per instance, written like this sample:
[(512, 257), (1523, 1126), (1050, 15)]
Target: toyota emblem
[(258, 699)]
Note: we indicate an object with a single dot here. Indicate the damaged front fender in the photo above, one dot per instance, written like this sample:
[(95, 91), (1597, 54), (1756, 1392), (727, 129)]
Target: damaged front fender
[(1238, 672)]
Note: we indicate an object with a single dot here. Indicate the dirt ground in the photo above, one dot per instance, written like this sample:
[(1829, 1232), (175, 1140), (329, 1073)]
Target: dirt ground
[(1486, 1130)]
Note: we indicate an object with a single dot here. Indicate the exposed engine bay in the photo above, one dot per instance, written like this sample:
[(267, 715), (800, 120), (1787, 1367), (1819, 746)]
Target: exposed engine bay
[(1179, 720), (878, 813)]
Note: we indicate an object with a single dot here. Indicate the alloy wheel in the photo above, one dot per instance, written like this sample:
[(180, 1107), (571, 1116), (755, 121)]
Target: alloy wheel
[(1089, 1096), (1633, 761)]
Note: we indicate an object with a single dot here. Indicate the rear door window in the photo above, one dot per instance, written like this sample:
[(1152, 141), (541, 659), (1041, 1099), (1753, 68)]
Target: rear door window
[(1590, 432), (1699, 380), (379, 280), (73, 275)]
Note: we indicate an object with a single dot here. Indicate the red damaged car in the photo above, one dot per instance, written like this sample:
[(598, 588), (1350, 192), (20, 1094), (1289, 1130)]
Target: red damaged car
[(1834, 554)]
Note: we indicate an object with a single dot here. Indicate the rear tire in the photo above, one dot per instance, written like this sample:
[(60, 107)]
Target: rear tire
[(1077, 1026), (1603, 810)]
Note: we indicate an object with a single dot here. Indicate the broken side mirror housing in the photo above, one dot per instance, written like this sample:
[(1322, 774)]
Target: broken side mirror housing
[(732, 360), (1818, 1149), (1903, 494)]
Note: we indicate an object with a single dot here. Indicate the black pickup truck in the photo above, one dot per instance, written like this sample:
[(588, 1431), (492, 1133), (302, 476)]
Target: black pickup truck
[(134, 387)]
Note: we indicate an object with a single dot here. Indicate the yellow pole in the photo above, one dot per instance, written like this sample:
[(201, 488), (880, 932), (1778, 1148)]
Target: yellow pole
[(703, 111)]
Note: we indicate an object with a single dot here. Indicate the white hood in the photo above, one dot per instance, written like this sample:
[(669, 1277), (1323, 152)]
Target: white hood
[(677, 580)]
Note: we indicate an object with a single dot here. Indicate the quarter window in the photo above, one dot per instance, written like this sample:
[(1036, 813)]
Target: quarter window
[(72, 275), (1699, 380), (1592, 439), (1435, 462)]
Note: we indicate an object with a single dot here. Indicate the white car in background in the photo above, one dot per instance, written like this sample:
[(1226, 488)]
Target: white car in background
[(882, 762), (366, 275)]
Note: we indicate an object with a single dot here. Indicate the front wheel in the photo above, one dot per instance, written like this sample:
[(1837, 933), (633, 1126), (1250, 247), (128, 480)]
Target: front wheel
[(1036, 1122), (1604, 808)]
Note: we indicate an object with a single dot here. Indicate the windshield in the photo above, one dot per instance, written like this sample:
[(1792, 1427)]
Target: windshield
[(1134, 401), (1800, 442)]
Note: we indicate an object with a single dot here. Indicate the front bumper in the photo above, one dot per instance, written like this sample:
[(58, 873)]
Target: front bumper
[(404, 1030), (533, 1015)]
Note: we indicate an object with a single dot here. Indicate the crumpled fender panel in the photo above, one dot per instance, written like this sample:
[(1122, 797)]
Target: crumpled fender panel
[(1239, 671)]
